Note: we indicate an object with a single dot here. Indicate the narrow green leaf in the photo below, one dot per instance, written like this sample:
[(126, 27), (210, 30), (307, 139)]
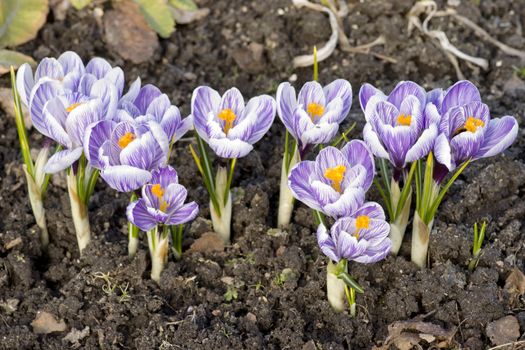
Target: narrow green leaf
[(80, 4), (21, 20), (385, 199), (187, 5), (406, 190), (350, 282), (316, 65), (158, 16)]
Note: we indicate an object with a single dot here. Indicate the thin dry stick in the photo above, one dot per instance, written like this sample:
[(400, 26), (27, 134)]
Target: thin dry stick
[(520, 345)]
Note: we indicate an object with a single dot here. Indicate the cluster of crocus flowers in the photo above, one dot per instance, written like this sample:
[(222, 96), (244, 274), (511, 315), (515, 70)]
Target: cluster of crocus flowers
[(311, 118), (335, 185), (230, 128), (126, 138), (447, 128)]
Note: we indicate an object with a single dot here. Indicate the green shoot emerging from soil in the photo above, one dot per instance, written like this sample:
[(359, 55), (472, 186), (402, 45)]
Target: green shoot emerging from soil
[(479, 236)]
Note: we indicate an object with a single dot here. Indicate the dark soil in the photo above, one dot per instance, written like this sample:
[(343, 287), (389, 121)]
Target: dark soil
[(189, 309)]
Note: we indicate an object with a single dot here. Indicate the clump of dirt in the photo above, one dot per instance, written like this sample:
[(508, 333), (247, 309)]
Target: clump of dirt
[(267, 289)]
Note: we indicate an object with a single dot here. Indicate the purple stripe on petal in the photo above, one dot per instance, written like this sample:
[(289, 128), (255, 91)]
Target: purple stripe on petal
[(164, 176), (372, 210), (423, 145), (146, 95), (175, 195), (71, 62), (404, 89), (24, 83), (326, 243), (226, 148), (125, 178), (86, 83), (323, 193), (261, 110), (171, 124), (49, 68), (132, 93), (80, 118), (286, 104), (366, 92), (357, 152), (333, 112), (232, 99), (459, 94), (42, 92), (436, 97), (372, 140), (466, 145), (158, 106), (107, 93), (397, 141), (330, 157), (204, 102), (96, 134), (298, 182), (62, 160), (138, 215), (184, 214), (311, 92), (340, 88), (351, 200), (116, 77), (99, 67), (318, 134), (499, 135)]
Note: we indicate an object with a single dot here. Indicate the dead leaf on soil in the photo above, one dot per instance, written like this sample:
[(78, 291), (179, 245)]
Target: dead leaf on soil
[(407, 334), (6, 103), (503, 331), (128, 33), (185, 16), (75, 336), (515, 285), (208, 242), (46, 323)]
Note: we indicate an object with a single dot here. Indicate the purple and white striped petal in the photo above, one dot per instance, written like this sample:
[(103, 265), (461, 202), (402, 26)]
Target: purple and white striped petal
[(55, 116), (80, 118), (261, 111), (164, 176), (116, 77), (107, 93), (232, 99), (147, 94), (326, 243), (299, 184), (139, 216), (342, 89), (184, 214), (43, 91), (319, 134), (357, 152), (397, 141), (499, 135), (311, 92), (371, 209), (423, 145), (125, 178), (98, 67), (466, 145), (62, 160), (405, 89), (204, 104), (459, 94), (349, 202), (71, 62), (443, 152), (286, 105), (333, 112), (226, 148), (49, 68), (96, 134), (24, 83), (368, 91), (132, 93), (372, 140)]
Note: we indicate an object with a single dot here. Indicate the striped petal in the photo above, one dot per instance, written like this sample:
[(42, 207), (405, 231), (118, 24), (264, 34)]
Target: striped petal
[(62, 160), (139, 216), (125, 178), (286, 104), (226, 148), (342, 89), (499, 135), (184, 214)]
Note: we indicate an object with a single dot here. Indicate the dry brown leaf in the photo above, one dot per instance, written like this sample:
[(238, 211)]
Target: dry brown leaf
[(407, 334), (515, 285), (208, 242), (6, 103), (128, 33), (45, 323)]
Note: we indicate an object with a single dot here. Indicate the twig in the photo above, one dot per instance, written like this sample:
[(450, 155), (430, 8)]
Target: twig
[(513, 344)]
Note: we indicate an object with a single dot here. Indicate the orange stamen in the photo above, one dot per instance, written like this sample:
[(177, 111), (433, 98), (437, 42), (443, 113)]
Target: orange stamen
[(336, 175), (472, 124), (228, 116), (403, 119), (126, 139)]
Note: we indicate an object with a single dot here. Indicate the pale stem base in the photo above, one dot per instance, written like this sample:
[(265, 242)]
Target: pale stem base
[(37, 206), (222, 223), (335, 289), (133, 240), (399, 225), (420, 239), (286, 199), (79, 213), (158, 249)]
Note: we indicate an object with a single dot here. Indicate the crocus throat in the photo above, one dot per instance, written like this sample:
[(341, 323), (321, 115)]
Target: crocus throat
[(73, 106), (472, 124), (228, 116), (336, 175), (403, 119), (361, 222), (315, 110), (158, 192), (126, 139)]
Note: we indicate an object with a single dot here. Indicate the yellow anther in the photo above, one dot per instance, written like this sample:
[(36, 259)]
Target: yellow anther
[(73, 106), (472, 124), (228, 116), (361, 222), (315, 110), (126, 139), (403, 119), (336, 175), (158, 192)]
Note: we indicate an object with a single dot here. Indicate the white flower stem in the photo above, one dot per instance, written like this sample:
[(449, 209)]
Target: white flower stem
[(335, 288), (286, 198), (222, 223), (79, 213), (37, 205), (420, 239), (158, 248), (133, 239), (399, 225)]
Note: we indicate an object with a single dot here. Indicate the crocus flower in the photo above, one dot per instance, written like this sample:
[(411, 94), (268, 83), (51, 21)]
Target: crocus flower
[(466, 130), (336, 182), (125, 153), (162, 202), (362, 238), (400, 127), (226, 124), (313, 117), (64, 116), (69, 72), (150, 104)]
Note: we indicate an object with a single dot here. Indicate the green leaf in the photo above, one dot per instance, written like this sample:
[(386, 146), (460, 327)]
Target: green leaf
[(187, 5), (158, 16), (80, 4), (350, 282), (20, 20), (10, 58)]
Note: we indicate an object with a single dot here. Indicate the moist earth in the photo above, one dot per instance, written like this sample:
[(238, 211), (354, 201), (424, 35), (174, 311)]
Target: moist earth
[(267, 289)]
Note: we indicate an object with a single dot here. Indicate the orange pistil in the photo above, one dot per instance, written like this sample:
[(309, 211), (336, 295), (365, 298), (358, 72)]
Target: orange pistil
[(315, 110), (472, 124), (361, 222), (73, 106), (336, 175), (228, 116), (403, 119), (126, 139), (158, 192)]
